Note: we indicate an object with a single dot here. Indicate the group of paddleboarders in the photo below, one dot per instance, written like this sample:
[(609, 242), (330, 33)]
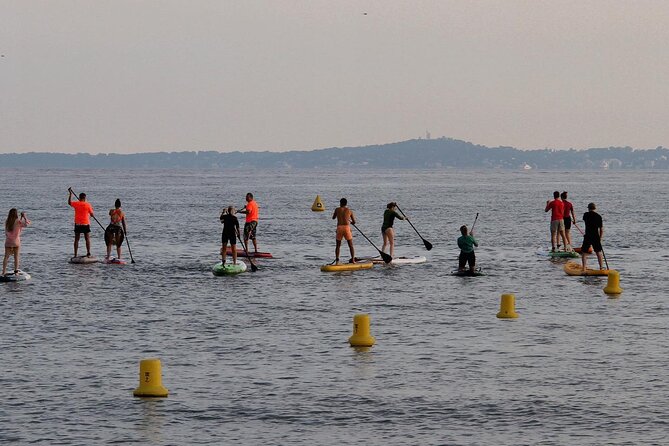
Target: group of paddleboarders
[(231, 228), (114, 232), (562, 218)]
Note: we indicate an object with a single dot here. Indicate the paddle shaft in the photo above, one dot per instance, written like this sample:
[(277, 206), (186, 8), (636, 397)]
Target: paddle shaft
[(254, 268), (427, 244), (386, 258), (474, 224)]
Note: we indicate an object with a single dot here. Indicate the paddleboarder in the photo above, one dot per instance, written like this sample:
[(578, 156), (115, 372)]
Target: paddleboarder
[(251, 225), (116, 230), (229, 234), (389, 216), (466, 243), (344, 217), (82, 222), (556, 206), (594, 231), (13, 227), (568, 218)]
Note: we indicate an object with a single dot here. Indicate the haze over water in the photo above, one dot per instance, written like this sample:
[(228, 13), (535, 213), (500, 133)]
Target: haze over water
[(262, 358)]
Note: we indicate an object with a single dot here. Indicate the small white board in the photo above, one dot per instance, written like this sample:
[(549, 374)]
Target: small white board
[(18, 277), (83, 259)]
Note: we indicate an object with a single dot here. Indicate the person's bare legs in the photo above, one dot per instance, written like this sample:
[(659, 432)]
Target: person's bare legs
[(337, 249), (87, 237), (584, 258), (554, 239), (118, 251), (385, 240), (564, 239), (234, 253), (600, 258), (567, 232), (350, 248), (17, 251), (8, 251), (255, 245), (391, 240), (224, 250), (76, 243)]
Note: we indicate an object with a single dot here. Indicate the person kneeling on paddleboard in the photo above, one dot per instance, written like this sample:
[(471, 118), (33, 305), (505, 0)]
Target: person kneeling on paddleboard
[(466, 243), (229, 234), (115, 231)]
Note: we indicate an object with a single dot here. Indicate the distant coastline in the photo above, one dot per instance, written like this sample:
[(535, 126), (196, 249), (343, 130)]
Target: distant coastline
[(441, 153)]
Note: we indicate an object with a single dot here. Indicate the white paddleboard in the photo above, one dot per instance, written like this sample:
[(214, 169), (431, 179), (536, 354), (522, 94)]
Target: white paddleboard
[(18, 277), (83, 259)]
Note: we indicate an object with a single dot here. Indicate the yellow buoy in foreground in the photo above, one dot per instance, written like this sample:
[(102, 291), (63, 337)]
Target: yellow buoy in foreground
[(361, 333), (150, 379), (318, 205), (507, 307), (613, 283)]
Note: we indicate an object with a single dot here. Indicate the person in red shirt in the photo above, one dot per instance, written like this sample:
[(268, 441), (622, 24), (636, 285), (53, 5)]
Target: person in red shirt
[(82, 222), (556, 206), (568, 218), (251, 225)]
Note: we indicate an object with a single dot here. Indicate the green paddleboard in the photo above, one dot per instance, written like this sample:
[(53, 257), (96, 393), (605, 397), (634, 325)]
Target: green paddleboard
[(229, 268)]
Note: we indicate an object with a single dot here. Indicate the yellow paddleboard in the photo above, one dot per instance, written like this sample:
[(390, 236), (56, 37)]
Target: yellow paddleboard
[(576, 269), (346, 267)]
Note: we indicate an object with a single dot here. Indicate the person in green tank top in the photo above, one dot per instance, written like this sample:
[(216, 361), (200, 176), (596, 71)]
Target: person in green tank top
[(466, 243), (389, 216)]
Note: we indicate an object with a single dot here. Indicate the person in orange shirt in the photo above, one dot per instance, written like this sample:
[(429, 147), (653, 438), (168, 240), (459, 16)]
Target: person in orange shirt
[(82, 222), (251, 225)]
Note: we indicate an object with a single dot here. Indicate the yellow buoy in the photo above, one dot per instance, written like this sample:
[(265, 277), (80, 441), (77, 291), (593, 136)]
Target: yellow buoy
[(150, 379), (507, 307), (361, 333), (613, 283), (318, 205)]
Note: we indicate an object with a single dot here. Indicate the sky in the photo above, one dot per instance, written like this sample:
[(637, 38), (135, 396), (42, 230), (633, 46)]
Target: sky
[(128, 76)]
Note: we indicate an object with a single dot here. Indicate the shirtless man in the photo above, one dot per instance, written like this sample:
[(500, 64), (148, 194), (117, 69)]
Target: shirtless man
[(344, 218)]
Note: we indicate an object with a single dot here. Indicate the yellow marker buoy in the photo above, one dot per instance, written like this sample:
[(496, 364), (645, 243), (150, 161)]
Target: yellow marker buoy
[(613, 283), (150, 379), (361, 333), (507, 307), (318, 205)]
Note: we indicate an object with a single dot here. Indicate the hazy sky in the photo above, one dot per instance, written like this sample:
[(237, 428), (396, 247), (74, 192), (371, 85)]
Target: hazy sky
[(130, 76)]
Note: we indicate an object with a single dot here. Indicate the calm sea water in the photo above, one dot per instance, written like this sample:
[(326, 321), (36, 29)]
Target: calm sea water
[(262, 358)]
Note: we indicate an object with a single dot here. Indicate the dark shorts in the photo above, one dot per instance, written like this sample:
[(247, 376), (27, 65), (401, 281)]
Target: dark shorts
[(250, 230), (567, 223), (466, 257), (384, 228), (114, 235), (82, 229), (228, 238), (588, 241)]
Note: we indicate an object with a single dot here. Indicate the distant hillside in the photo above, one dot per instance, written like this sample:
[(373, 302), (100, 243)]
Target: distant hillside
[(415, 153)]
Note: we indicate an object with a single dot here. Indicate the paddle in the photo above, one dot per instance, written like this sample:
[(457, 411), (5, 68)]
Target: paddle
[(471, 231), (427, 244), (386, 258), (254, 268)]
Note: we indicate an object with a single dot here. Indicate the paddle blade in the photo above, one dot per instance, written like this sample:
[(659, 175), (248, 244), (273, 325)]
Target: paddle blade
[(386, 257), (427, 244), (254, 268)]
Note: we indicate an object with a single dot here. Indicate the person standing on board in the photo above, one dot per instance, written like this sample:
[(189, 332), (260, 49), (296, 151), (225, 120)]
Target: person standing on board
[(466, 243), (251, 225), (344, 218), (13, 227), (82, 221), (568, 218), (389, 216), (115, 232), (557, 223), (229, 234), (594, 231)]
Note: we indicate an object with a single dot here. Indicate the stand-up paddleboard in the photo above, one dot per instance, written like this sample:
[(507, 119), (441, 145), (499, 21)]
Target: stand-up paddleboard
[(346, 267), (229, 268), (467, 273), (18, 277), (83, 259), (113, 261), (576, 269), (396, 260), (241, 253), (558, 254)]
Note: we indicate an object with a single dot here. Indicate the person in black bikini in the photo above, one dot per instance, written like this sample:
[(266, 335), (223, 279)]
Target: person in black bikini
[(389, 216)]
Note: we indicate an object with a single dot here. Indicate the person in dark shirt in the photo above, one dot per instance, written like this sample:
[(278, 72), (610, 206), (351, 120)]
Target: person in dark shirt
[(387, 230), (594, 231), (229, 234)]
